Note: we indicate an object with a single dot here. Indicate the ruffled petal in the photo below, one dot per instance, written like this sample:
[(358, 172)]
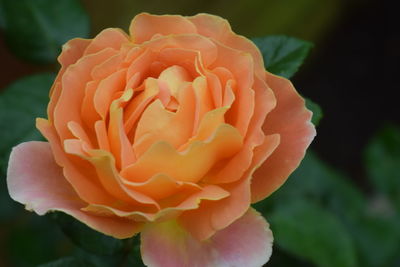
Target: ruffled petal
[(246, 242), (144, 26), (292, 120), (219, 29), (35, 180)]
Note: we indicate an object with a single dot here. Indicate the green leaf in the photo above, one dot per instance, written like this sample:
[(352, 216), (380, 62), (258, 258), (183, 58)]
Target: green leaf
[(86, 238), (35, 30), (20, 104), (282, 55), (382, 160), (309, 232), (68, 262), (315, 181), (316, 110), (2, 22)]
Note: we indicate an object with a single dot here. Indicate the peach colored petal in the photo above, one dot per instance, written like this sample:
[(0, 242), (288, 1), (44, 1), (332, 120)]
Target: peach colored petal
[(140, 101), (242, 67), (120, 145), (291, 120), (89, 114), (219, 29), (101, 135), (80, 133), (141, 64), (104, 164), (246, 242), (108, 67), (106, 91), (83, 181), (32, 164), (190, 165), (144, 26), (211, 217), (73, 83), (184, 44), (203, 100), (174, 79), (159, 186), (71, 52), (234, 169), (211, 193), (159, 124), (108, 38)]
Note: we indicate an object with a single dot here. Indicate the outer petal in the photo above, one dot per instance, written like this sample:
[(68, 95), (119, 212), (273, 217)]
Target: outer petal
[(246, 242), (219, 29), (292, 121), (34, 179), (144, 26)]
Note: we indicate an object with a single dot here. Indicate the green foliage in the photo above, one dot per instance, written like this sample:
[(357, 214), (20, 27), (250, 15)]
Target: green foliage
[(36, 29), (86, 238), (306, 230), (383, 163), (20, 104), (2, 22), (316, 110), (68, 262), (315, 191), (282, 55)]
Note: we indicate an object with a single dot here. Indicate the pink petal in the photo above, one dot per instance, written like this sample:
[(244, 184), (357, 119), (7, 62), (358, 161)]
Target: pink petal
[(34, 179), (292, 121), (246, 242)]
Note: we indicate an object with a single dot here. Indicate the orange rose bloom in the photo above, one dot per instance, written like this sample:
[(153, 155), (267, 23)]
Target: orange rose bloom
[(172, 131)]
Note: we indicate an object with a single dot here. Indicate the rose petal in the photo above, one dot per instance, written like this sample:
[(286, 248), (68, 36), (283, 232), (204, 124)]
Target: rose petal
[(110, 37), (73, 89), (144, 26), (34, 179), (246, 242), (291, 120), (82, 177), (219, 29), (211, 217), (190, 165)]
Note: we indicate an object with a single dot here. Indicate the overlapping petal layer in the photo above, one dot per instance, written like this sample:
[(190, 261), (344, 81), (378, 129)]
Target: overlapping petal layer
[(166, 128)]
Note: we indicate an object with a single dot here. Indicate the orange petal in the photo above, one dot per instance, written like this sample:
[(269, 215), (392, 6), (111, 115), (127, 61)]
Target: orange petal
[(242, 68), (108, 38), (235, 167), (144, 26), (159, 124), (74, 82), (33, 164), (190, 165), (291, 120), (106, 90), (88, 112), (159, 186), (182, 46), (71, 52), (81, 179), (219, 29), (120, 145), (210, 217)]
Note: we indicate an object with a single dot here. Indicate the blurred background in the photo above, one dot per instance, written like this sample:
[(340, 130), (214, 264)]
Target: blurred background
[(349, 185)]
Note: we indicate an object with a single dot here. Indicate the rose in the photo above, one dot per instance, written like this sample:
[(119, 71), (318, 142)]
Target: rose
[(161, 132)]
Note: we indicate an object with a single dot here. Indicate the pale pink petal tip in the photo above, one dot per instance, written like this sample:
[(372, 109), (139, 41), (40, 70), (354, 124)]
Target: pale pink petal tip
[(35, 180), (246, 242)]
